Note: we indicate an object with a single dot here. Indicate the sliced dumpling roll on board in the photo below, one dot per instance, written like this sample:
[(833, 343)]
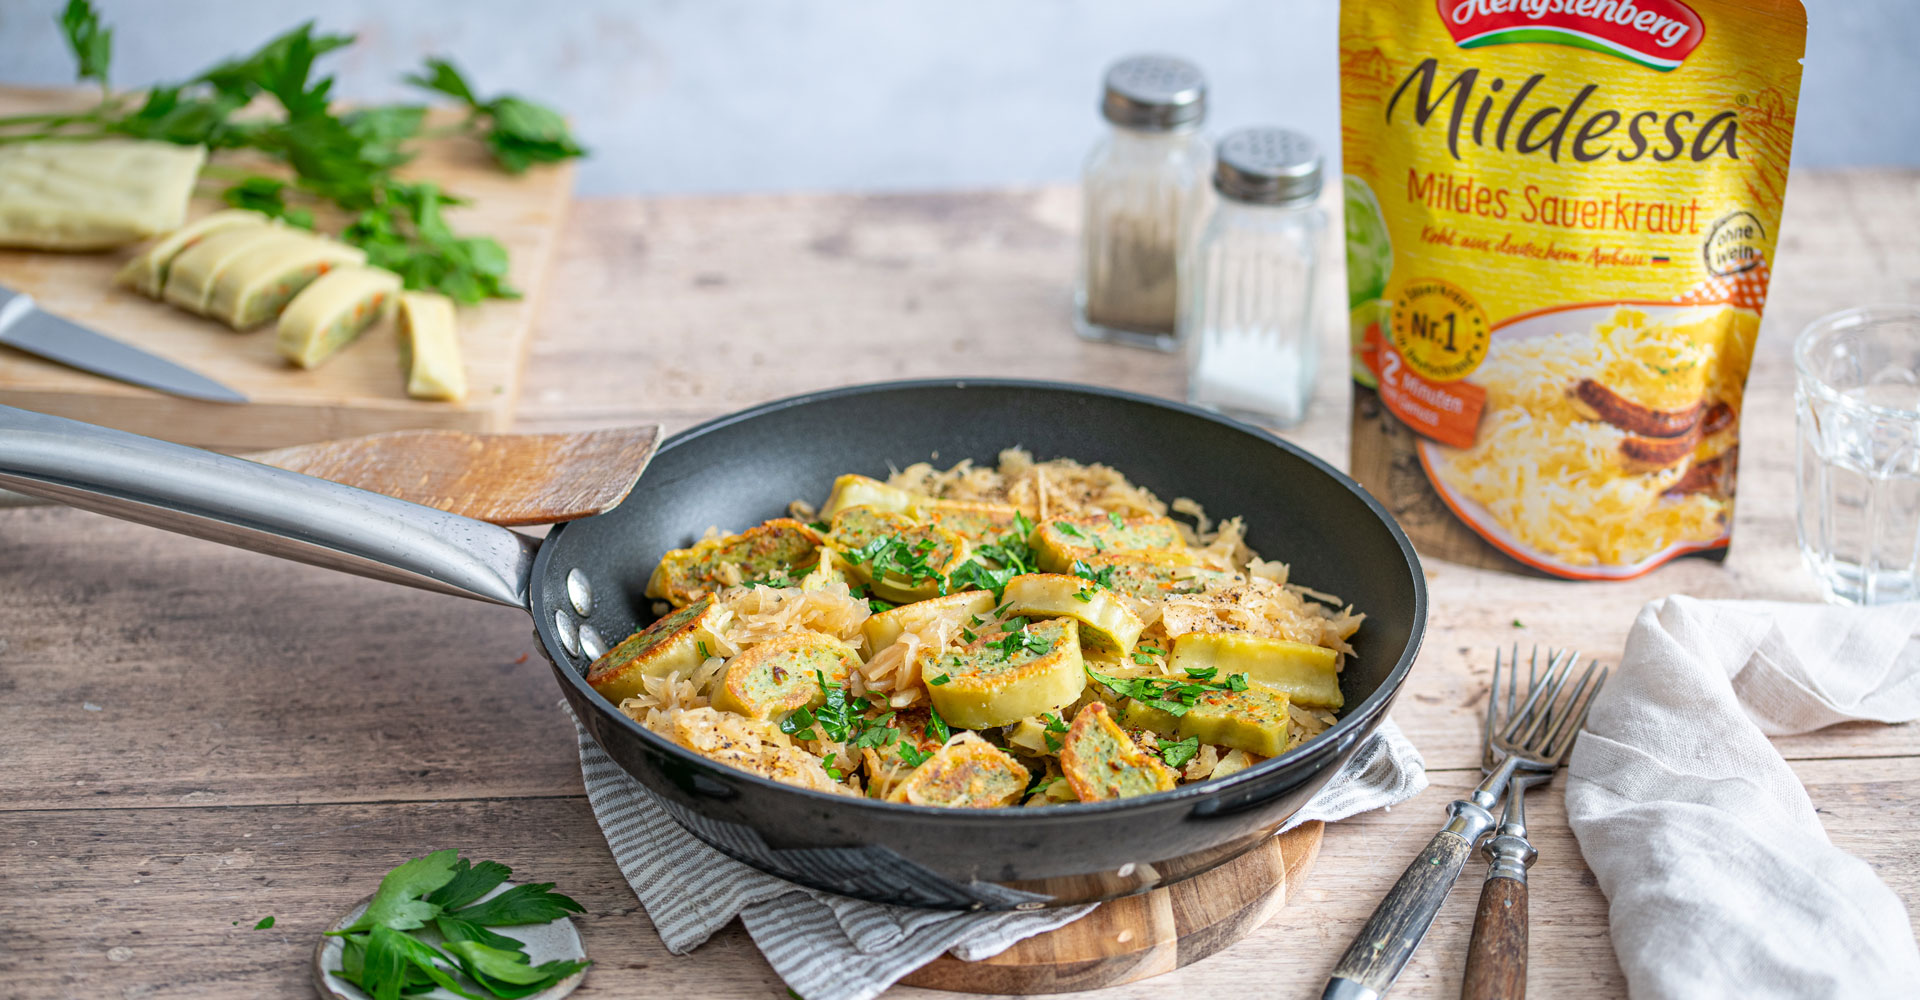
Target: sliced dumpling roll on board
[(147, 273), (254, 288), (430, 347), (329, 313)]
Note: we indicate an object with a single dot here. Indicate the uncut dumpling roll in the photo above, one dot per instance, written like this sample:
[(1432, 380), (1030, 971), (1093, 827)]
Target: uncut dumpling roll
[(255, 287), (430, 347), (328, 314), (147, 273), (193, 272), (93, 195)]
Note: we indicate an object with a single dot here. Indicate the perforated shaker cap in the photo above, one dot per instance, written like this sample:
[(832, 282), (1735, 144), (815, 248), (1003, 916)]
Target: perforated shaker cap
[(1154, 93), (1267, 166)]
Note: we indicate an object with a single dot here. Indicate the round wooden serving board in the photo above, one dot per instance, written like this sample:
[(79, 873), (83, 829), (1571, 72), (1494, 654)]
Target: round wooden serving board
[(1138, 937)]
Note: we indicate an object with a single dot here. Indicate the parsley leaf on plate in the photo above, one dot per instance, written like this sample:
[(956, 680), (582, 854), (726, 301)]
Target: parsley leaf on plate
[(535, 903), (397, 903)]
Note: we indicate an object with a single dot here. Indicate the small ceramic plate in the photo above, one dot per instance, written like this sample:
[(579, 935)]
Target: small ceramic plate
[(544, 943)]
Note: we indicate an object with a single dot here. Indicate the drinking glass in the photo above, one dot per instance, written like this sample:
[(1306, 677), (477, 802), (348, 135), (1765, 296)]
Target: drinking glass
[(1857, 397)]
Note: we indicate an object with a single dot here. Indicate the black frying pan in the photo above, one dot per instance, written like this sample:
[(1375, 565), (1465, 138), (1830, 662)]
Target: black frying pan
[(744, 468)]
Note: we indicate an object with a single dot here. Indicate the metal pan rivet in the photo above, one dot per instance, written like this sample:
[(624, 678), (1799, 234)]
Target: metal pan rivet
[(580, 592), (591, 645), (563, 624), (1030, 905)]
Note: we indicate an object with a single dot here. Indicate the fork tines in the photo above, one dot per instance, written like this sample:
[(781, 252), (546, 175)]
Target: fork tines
[(1540, 727)]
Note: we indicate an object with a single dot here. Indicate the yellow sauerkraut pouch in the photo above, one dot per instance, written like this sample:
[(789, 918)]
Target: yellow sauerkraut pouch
[(1560, 216)]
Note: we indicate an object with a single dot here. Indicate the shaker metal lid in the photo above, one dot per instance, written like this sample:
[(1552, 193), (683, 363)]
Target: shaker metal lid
[(1267, 166), (1157, 93)]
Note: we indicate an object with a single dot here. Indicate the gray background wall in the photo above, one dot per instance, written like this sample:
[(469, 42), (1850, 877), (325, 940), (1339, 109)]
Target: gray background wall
[(743, 95)]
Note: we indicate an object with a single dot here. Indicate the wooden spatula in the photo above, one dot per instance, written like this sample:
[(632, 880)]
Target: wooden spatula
[(507, 479)]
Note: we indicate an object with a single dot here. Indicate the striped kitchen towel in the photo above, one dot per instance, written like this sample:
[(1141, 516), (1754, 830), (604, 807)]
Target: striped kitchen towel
[(829, 947)]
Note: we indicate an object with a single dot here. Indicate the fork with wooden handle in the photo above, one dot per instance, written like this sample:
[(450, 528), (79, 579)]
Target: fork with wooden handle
[(1535, 735), (1497, 955)]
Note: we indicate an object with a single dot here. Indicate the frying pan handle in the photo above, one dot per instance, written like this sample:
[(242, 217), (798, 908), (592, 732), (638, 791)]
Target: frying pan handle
[(261, 508)]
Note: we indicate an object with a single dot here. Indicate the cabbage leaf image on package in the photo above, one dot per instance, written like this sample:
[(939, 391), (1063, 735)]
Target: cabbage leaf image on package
[(1560, 219)]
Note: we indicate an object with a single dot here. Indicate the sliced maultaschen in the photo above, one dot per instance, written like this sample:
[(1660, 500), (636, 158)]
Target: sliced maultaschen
[(781, 675), (147, 273), (1308, 674), (1255, 719), (1106, 626), (254, 288), (781, 548), (967, 773), (336, 308), (1057, 542), (1100, 761), (675, 644), (430, 347), (1021, 670)]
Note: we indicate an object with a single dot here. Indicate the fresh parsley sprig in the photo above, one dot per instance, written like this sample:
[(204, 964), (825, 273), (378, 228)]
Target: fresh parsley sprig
[(381, 955)]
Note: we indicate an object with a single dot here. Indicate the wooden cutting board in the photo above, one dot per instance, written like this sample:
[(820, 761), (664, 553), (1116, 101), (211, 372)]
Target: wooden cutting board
[(1139, 937), (359, 391)]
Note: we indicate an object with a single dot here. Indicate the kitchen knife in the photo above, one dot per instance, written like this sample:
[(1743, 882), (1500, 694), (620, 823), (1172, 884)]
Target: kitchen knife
[(24, 326)]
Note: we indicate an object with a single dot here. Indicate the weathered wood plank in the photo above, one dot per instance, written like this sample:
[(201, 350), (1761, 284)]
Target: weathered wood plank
[(168, 883)]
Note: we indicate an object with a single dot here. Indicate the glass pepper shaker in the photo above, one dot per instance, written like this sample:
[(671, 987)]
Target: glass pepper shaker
[(1139, 189), (1247, 280)]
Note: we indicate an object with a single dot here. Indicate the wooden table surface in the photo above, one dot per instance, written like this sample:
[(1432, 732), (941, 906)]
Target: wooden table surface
[(194, 737)]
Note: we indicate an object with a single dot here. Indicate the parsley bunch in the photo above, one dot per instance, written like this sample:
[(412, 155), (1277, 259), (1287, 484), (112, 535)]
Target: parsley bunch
[(383, 956), (343, 160)]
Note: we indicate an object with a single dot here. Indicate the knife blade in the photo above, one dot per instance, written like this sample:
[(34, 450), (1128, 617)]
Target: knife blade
[(24, 326)]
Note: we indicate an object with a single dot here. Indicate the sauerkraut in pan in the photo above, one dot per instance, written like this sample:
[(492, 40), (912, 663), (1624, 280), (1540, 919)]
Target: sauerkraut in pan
[(1028, 634)]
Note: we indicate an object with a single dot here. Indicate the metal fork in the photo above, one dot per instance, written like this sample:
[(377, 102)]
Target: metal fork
[(1497, 953), (1535, 734)]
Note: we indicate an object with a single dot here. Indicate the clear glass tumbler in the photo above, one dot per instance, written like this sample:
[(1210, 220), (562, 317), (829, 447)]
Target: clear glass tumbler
[(1858, 401)]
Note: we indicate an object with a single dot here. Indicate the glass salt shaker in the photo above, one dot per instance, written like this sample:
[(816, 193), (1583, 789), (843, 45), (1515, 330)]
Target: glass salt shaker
[(1140, 187), (1247, 280)]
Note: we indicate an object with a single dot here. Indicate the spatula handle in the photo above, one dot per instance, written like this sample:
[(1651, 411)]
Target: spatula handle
[(261, 508)]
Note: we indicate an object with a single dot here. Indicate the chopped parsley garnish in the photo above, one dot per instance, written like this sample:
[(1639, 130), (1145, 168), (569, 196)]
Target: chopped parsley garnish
[(832, 772), (1055, 724), (702, 647), (1018, 639), (1113, 517), (968, 634), (1083, 596), (877, 605), (937, 727), (938, 681), (1173, 695), (911, 755), (1068, 530), (820, 526), (1203, 673), (1102, 576), (994, 563), (1178, 753), (799, 725), (893, 556), (1053, 742)]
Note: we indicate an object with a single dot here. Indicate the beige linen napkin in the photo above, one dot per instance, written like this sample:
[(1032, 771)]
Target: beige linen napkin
[(1719, 879), (829, 947)]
